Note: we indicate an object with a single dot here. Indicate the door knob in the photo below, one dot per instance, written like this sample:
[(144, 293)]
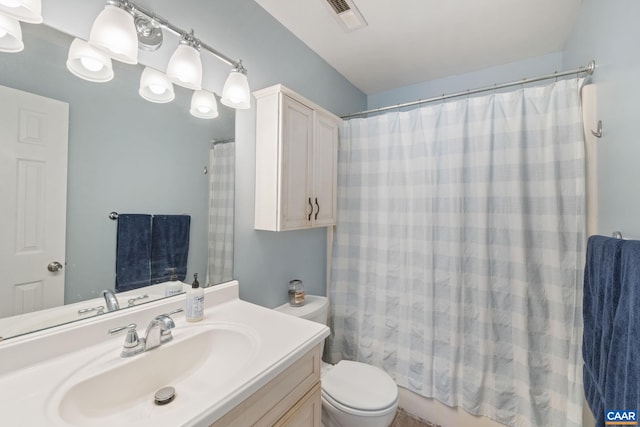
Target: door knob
[(54, 266)]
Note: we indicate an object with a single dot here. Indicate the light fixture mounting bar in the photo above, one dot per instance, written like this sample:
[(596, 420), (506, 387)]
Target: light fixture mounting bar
[(163, 23)]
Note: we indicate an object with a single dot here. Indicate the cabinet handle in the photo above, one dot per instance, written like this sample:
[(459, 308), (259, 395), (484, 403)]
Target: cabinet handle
[(318, 210), (311, 211)]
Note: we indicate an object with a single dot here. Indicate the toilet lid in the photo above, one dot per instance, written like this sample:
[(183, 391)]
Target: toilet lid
[(360, 386)]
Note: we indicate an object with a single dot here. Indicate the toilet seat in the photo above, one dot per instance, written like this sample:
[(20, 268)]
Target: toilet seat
[(359, 389)]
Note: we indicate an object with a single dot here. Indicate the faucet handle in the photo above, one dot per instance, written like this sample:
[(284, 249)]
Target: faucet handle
[(132, 301), (132, 344)]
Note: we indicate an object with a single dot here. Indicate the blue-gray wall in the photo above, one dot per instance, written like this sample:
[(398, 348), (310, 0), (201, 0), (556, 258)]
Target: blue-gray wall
[(608, 32), (263, 261), (495, 75)]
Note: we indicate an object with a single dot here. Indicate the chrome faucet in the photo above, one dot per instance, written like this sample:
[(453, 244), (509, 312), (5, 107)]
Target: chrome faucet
[(158, 332), (111, 300)]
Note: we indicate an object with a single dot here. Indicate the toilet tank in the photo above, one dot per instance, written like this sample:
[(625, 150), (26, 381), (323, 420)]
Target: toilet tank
[(315, 308)]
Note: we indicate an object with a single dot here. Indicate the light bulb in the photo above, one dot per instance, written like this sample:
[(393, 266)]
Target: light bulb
[(10, 34), (204, 105), (91, 64), (157, 89), (114, 32), (185, 67), (155, 86), (11, 3), (23, 10), (236, 93)]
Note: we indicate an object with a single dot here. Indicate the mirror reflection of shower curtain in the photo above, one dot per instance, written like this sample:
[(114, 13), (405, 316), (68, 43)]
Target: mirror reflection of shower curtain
[(221, 212)]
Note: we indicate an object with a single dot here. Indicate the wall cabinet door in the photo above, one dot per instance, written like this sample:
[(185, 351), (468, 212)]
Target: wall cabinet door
[(325, 170), (297, 179), (296, 162)]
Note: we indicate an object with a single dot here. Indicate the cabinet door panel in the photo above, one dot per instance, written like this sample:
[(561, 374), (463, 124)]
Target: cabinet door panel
[(325, 152), (297, 128)]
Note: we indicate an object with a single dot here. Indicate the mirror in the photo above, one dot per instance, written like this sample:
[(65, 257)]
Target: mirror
[(125, 155)]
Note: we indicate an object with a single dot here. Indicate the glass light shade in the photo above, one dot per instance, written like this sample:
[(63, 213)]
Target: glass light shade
[(235, 93), (114, 32), (155, 86), (89, 63), (185, 67), (22, 10), (204, 105), (10, 35)]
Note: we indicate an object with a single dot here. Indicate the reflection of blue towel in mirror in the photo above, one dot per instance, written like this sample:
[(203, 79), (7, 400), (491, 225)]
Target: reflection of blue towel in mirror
[(133, 252), (169, 247)]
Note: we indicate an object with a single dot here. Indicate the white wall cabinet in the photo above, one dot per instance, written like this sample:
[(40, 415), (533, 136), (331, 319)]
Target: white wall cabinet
[(296, 162)]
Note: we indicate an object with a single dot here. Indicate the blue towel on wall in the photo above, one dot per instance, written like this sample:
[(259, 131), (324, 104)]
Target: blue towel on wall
[(611, 338), (169, 247), (133, 252), (622, 389)]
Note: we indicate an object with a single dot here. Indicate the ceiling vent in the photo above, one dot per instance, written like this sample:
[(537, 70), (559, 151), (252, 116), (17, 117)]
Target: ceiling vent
[(347, 14)]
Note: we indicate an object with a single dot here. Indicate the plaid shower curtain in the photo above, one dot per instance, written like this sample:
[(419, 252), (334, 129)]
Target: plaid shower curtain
[(222, 160), (458, 252)]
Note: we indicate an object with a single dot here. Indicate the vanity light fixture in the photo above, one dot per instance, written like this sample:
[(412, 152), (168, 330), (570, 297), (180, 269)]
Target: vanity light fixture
[(23, 10), (204, 105), (123, 27), (115, 32), (185, 65), (10, 34), (236, 93), (155, 86), (89, 63)]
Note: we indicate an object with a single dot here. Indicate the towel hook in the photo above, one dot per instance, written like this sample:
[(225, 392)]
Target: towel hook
[(113, 216), (598, 132), (617, 235)]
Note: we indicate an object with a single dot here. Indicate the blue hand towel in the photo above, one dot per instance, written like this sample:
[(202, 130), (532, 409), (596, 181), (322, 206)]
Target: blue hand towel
[(169, 247), (133, 252)]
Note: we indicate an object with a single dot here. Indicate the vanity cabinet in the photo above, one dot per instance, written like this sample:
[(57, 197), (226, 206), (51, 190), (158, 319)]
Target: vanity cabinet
[(296, 162), (291, 399)]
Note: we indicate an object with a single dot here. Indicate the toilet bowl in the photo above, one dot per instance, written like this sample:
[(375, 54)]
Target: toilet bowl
[(354, 394)]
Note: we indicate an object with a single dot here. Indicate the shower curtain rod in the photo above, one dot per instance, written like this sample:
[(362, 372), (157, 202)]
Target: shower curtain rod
[(588, 69)]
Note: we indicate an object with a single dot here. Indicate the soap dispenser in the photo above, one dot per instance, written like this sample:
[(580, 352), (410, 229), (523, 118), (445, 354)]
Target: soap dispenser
[(173, 286), (194, 301)]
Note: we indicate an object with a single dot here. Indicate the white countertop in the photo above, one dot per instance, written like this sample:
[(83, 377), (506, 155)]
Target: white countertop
[(35, 367)]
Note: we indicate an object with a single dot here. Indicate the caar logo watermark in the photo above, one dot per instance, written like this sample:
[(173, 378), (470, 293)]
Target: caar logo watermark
[(620, 418)]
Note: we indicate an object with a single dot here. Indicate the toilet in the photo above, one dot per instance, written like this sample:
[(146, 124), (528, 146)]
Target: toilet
[(354, 394)]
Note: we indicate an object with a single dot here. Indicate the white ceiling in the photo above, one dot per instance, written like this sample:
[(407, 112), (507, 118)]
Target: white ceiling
[(412, 41)]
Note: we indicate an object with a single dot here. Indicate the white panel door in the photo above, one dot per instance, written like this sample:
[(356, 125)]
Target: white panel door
[(297, 132), (325, 173), (33, 190)]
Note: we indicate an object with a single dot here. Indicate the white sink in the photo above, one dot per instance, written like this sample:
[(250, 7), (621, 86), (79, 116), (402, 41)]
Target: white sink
[(73, 375), (112, 391)]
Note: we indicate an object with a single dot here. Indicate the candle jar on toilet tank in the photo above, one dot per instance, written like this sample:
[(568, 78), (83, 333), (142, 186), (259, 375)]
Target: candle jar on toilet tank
[(296, 293)]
